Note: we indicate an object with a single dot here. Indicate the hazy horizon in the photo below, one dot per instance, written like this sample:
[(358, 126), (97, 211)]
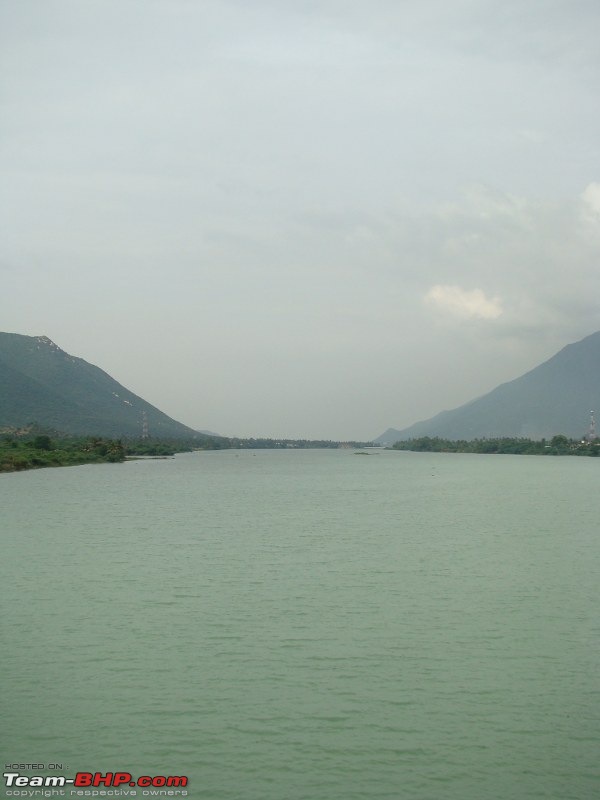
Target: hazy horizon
[(301, 220)]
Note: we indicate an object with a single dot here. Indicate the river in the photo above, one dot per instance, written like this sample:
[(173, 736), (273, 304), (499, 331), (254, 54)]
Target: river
[(307, 624)]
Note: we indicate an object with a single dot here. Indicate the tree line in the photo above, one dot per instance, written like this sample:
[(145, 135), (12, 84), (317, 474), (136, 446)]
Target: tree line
[(36, 448), (41, 450), (558, 445)]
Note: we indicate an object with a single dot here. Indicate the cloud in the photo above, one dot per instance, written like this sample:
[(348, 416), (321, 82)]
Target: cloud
[(305, 173), (591, 199), (463, 303)]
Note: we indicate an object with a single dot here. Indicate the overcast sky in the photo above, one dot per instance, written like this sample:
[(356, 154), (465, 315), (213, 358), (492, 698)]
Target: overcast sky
[(301, 218)]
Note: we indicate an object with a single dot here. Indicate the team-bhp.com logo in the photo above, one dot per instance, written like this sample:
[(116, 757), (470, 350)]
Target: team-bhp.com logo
[(83, 782)]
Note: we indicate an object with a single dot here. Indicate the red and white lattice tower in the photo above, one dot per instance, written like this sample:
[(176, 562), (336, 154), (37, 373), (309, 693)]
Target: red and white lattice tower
[(592, 431)]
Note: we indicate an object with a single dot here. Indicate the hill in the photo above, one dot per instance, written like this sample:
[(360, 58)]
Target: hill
[(553, 398), (42, 384)]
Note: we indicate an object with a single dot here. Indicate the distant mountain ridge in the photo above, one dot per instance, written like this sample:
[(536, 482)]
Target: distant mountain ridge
[(554, 397), (42, 384)]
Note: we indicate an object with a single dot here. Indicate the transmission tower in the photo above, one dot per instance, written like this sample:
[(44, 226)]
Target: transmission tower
[(145, 434), (592, 431)]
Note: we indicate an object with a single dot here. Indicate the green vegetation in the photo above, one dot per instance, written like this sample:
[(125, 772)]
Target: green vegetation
[(282, 444), (33, 447), (34, 451), (167, 447), (559, 445)]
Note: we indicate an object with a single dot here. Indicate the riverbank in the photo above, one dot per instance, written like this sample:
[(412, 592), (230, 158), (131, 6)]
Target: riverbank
[(40, 451), (558, 445)]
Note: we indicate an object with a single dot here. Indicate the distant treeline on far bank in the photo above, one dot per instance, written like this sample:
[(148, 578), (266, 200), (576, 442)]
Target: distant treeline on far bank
[(35, 447), (558, 445)]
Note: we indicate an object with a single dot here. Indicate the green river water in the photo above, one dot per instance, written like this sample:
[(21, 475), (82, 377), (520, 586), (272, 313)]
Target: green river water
[(307, 625)]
